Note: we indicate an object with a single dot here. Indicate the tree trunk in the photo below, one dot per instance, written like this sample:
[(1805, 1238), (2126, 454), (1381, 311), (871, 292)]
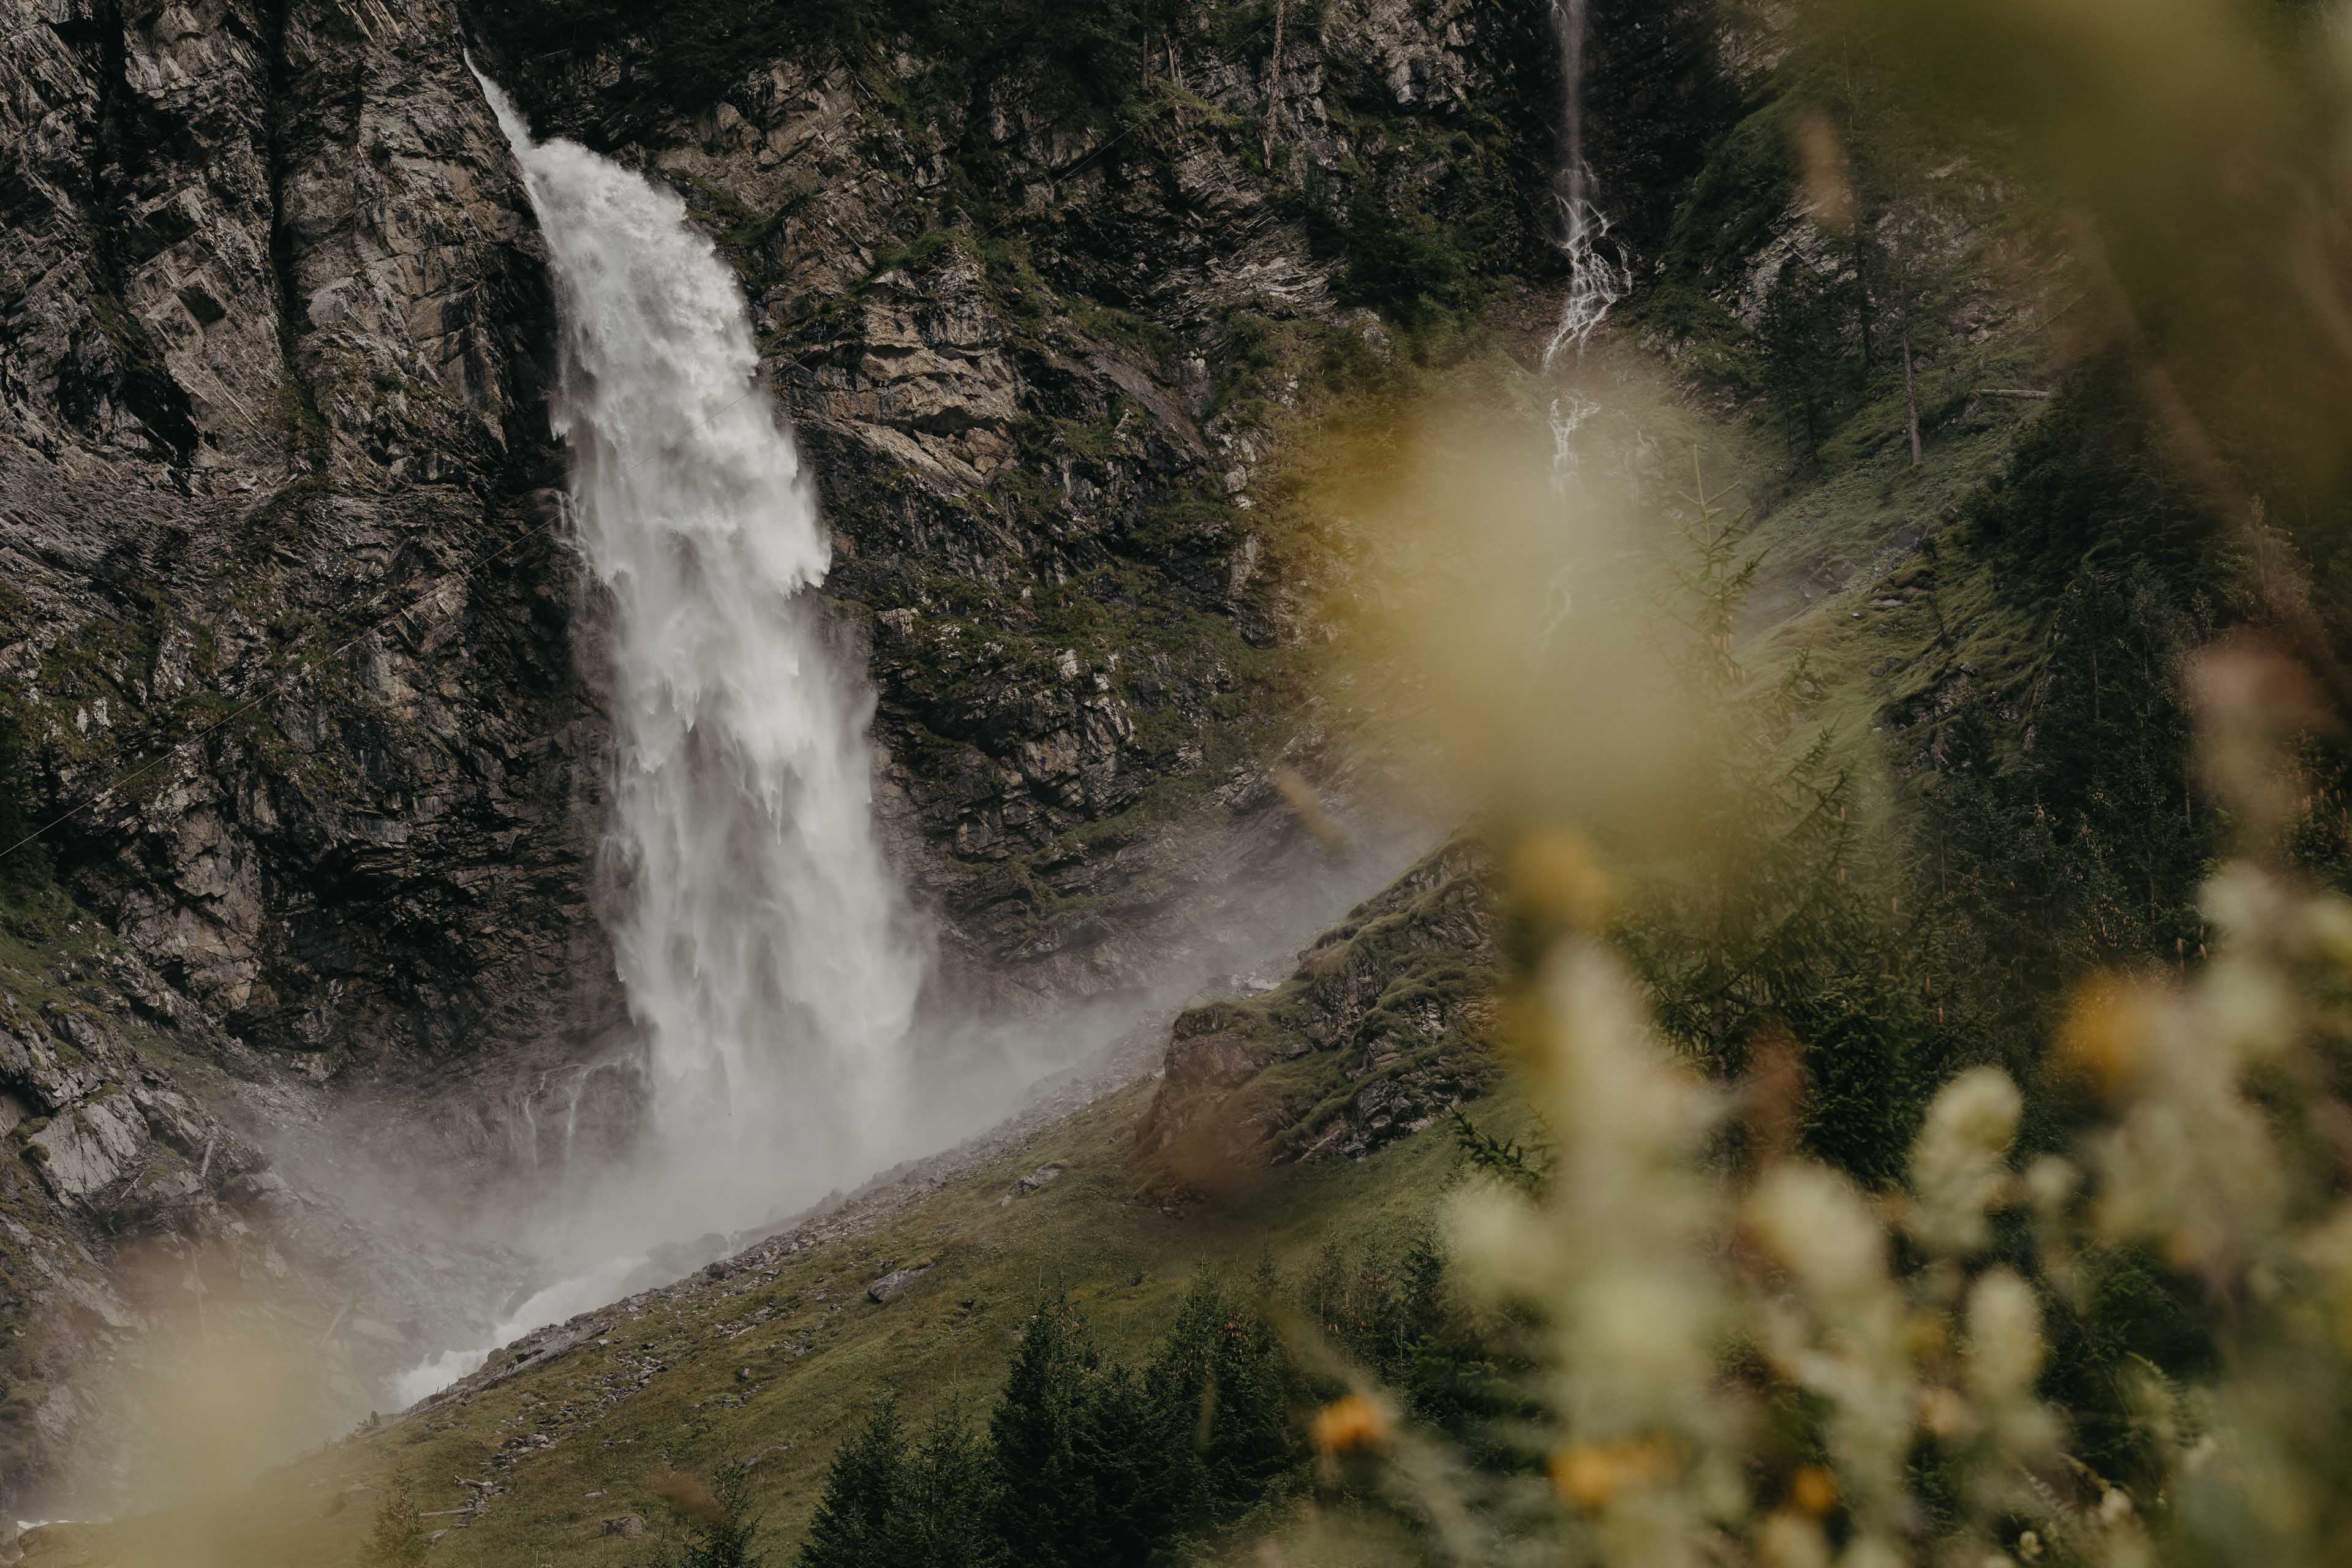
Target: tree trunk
[(1862, 288), (1910, 396)]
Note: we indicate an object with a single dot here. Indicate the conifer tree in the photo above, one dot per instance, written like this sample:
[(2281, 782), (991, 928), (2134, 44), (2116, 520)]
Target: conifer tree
[(1041, 1502), (1225, 1383), (2079, 845), (1801, 332), (859, 1521), (1253, 1439), (395, 1537), (1780, 917), (722, 1533), (948, 1515), (1122, 1441), (1183, 1383)]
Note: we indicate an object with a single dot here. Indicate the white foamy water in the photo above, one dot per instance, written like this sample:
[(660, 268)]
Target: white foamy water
[(1598, 278), (566, 1299), (760, 939), (759, 933)]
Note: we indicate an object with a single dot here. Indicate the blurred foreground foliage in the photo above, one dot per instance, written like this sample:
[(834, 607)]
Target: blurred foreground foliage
[(2091, 1300)]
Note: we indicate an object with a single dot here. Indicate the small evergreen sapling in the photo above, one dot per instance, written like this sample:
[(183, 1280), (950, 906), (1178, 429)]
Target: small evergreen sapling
[(395, 1537)]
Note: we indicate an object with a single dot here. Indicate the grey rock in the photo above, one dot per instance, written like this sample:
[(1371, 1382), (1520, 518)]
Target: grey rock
[(85, 1147), (1040, 1177), (895, 1284)]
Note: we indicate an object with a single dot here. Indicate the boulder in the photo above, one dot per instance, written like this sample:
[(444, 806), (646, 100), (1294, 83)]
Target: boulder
[(1042, 1176), (895, 1283)]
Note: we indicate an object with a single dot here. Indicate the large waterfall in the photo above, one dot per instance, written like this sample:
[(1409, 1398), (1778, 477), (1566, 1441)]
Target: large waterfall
[(768, 963), (770, 966), (760, 939)]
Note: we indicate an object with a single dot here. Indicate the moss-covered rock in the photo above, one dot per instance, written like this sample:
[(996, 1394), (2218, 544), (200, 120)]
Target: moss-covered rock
[(1383, 1027)]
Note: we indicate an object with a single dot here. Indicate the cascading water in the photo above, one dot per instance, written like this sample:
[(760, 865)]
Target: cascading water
[(760, 939), (1597, 280), (760, 934)]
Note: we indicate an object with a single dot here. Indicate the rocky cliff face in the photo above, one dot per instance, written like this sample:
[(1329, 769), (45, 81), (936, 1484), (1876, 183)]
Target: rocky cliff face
[(1383, 1028), (276, 335), (289, 631), (286, 626)]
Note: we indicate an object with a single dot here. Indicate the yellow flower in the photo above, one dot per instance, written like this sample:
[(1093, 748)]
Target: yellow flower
[(1349, 1424), (1814, 1491), (1556, 881), (1590, 1473), (2104, 1031)]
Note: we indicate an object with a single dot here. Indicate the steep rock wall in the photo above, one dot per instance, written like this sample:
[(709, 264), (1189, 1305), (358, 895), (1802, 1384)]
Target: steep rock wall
[(284, 626), (1383, 1027)]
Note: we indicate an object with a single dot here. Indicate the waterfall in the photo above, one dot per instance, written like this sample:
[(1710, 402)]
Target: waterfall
[(1597, 279), (768, 962), (767, 958)]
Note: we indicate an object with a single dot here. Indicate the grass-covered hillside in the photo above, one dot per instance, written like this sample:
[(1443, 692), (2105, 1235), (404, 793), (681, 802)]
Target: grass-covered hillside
[(777, 1356)]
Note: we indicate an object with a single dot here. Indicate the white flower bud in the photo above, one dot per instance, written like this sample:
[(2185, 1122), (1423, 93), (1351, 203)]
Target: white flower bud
[(1959, 1165), (2005, 1347), (1815, 1222)]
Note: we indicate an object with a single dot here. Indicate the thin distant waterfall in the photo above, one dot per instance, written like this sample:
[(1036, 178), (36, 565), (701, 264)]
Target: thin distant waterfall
[(1597, 279), (761, 937)]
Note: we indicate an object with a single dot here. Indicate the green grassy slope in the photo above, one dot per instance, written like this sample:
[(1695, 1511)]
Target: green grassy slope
[(778, 1362)]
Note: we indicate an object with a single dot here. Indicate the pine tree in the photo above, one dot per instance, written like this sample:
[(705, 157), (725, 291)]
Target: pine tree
[(859, 1518), (1802, 334), (1183, 1384), (1253, 1441), (724, 1533), (948, 1516), (395, 1537), (2079, 845), (1122, 1442), (1780, 917), (1225, 1385), (1042, 1504)]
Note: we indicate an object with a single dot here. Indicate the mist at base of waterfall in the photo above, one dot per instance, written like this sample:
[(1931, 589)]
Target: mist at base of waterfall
[(792, 1037), (604, 1229)]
